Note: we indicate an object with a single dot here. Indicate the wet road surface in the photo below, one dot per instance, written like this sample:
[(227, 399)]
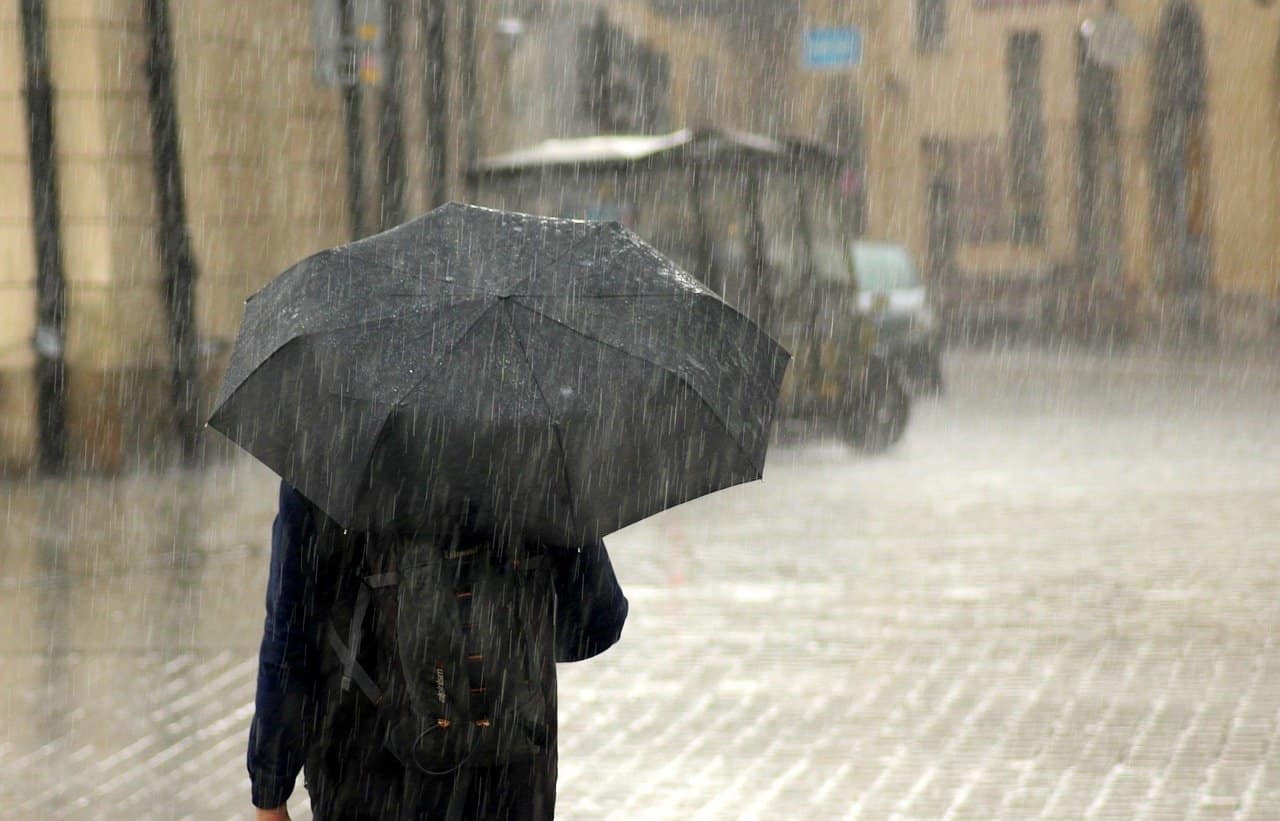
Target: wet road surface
[(1057, 598)]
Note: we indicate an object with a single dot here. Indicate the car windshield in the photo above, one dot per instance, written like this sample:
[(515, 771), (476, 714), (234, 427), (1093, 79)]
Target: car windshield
[(883, 268)]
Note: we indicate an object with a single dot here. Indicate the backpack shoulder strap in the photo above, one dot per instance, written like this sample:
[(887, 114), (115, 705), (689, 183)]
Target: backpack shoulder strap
[(349, 650)]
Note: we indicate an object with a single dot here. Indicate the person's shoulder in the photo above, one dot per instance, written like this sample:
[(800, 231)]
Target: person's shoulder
[(294, 507), (290, 496)]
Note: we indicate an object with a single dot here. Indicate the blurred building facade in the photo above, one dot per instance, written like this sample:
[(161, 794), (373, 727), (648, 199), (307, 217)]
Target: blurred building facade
[(1095, 167), (1090, 166), (582, 67)]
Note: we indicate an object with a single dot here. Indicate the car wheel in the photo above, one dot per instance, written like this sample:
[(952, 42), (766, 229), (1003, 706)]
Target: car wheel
[(881, 411), (933, 376)]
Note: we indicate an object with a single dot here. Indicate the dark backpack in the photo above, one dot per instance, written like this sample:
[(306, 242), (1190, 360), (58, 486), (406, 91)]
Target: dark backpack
[(441, 651)]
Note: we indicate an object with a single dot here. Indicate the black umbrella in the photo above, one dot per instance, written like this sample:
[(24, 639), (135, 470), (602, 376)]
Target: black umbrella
[(557, 377)]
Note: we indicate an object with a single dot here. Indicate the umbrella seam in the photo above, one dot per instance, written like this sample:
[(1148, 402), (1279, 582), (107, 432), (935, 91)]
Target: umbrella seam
[(555, 425), (651, 295), (367, 460), (557, 260), (759, 468), (392, 317), (302, 336), (393, 266), (368, 259), (252, 372), (698, 289), (452, 347)]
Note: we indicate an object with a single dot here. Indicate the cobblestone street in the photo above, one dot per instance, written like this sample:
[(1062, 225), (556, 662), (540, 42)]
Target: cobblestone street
[(1057, 598)]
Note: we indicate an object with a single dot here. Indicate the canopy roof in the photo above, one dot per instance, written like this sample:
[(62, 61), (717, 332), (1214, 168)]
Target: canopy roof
[(686, 146)]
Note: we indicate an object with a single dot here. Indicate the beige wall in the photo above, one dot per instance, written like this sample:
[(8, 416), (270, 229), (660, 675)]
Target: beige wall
[(263, 148), (961, 92), (17, 257), (1244, 129), (715, 76), (1243, 92), (262, 156), (958, 92), (687, 42)]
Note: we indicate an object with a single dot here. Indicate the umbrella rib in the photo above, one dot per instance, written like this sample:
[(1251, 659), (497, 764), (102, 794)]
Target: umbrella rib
[(683, 295), (607, 262), (555, 425), (390, 317), (418, 273), (382, 428), (558, 259), (751, 461), (452, 347), (300, 337)]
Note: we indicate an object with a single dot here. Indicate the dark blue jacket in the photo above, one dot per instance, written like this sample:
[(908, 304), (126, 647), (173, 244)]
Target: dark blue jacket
[(590, 612)]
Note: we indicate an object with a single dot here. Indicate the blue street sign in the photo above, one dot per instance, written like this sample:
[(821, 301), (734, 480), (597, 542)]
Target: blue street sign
[(832, 49)]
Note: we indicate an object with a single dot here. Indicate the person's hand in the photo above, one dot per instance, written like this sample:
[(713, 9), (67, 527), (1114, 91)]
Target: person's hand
[(280, 813)]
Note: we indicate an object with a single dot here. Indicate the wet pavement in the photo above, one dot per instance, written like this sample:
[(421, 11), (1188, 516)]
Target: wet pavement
[(1057, 598)]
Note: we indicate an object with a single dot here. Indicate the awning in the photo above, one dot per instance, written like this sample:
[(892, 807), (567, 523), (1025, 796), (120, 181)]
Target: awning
[(685, 146)]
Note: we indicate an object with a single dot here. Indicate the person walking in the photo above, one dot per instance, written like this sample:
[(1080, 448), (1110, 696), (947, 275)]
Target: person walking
[(461, 407), (318, 639)]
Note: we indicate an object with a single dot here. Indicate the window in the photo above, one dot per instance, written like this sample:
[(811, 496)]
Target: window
[(623, 84), (1026, 136), (981, 191), (931, 24)]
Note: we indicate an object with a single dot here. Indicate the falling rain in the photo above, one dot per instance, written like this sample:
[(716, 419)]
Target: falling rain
[(995, 284)]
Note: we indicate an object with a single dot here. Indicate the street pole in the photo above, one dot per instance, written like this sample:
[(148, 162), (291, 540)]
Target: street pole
[(177, 255), (708, 273), (598, 67), (51, 381), (761, 284), (391, 128), (436, 101), (352, 103), (469, 113)]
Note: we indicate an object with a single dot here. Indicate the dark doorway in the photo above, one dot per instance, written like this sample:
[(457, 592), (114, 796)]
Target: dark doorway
[(1180, 161), (1096, 290), (1024, 61), (931, 25), (940, 204)]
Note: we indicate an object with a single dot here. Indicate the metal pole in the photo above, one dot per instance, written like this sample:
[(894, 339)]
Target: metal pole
[(437, 101), (50, 367), (352, 103), (598, 69), (177, 255), (391, 129), (809, 272), (707, 272), (470, 147), (761, 282)]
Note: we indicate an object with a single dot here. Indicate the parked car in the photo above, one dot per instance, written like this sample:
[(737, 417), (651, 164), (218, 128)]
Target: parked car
[(892, 293), (825, 299)]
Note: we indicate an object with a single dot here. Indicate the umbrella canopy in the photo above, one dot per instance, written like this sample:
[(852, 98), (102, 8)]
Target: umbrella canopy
[(559, 378)]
